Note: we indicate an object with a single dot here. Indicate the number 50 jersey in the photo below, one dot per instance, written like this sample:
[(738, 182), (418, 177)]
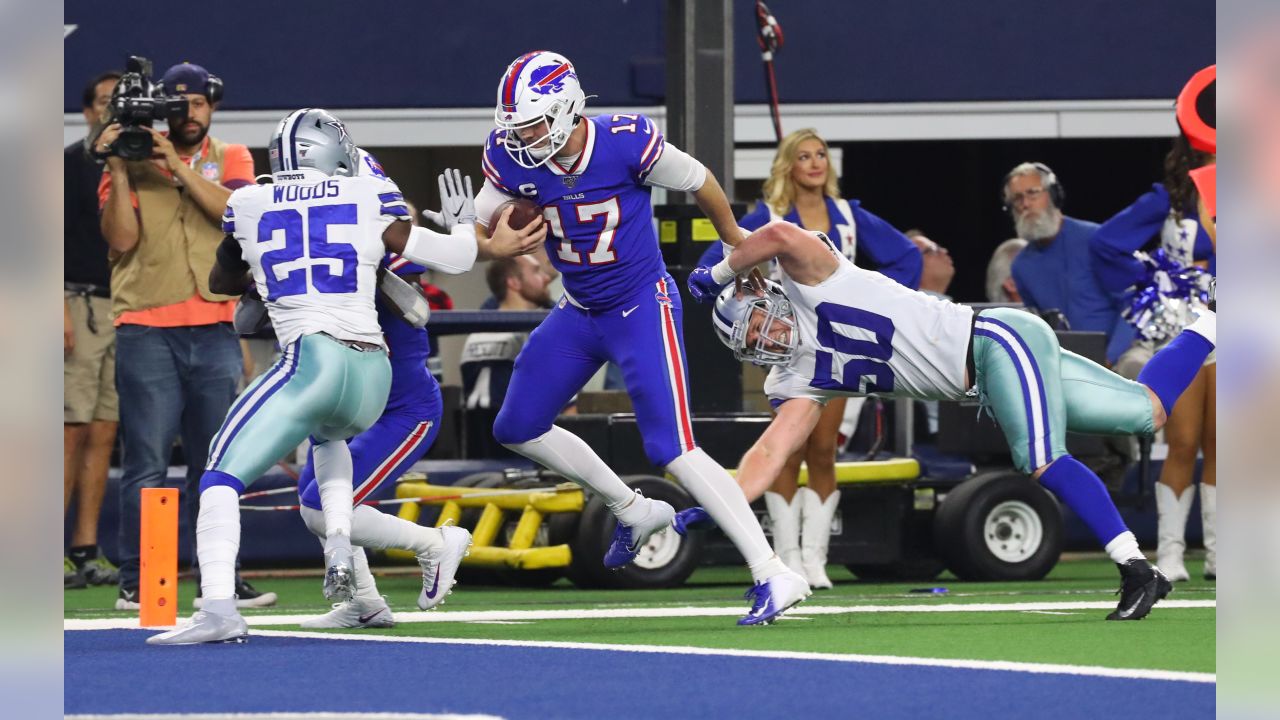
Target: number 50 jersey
[(862, 333), (314, 243)]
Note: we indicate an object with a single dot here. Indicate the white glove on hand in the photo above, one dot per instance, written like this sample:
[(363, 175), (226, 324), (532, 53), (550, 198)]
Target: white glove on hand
[(457, 202)]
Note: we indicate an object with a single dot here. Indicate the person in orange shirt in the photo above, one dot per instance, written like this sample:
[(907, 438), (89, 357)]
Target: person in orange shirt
[(178, 359)]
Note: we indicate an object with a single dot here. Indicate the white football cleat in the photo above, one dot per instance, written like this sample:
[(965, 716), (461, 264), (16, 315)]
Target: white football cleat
[(205, 627), (355, 613), (438, 572)]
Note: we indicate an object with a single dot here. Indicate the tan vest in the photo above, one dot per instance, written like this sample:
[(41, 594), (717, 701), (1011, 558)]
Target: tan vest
[(176, 243)]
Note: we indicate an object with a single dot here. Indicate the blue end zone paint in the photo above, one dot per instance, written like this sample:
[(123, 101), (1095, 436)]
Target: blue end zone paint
[(114, 672)]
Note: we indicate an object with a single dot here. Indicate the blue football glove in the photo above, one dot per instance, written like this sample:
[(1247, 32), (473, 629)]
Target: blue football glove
[(702, 286)]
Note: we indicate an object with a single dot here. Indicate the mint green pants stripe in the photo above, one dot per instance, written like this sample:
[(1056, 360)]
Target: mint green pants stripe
[(1037, 391), (319, 388)]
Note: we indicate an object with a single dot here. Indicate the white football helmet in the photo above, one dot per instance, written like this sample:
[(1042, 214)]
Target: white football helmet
[(313, 138), (732, 318), (538, 86)]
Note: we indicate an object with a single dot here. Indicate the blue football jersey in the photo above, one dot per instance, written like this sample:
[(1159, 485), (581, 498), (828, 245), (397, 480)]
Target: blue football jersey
[(407, 346), (601, 235)]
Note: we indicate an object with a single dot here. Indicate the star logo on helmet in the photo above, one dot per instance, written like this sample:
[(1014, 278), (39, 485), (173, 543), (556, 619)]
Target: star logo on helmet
[(342, 129)]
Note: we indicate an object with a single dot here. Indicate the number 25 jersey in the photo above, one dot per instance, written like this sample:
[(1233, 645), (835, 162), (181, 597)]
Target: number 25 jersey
[(862, 333), (314, 245), (600, 218)]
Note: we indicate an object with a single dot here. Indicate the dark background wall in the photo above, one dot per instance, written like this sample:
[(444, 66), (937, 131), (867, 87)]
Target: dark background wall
[(387, 54)]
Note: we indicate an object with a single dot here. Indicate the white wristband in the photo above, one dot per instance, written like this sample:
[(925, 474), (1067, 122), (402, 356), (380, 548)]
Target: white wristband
[(721, 272)]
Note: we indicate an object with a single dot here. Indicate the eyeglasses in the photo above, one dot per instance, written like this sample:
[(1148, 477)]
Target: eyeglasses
[(1028, 195)]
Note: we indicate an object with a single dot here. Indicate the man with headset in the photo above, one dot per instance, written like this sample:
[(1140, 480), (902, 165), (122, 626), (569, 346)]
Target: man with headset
[(178, 359), (1054, 271)]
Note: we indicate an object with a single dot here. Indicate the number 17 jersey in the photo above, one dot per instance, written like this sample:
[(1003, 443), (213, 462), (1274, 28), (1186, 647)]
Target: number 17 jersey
[(601, 235), (862, 333), (314, 245)]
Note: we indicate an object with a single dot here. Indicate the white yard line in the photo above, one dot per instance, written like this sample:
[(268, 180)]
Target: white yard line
[(999, 665), (470, 616)]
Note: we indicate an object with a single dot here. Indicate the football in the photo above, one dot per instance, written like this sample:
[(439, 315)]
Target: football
[(525, 212)]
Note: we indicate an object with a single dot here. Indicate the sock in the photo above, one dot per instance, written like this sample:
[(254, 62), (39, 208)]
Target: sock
[(218, 542), (1123, 548), (82, 554), (718, 493), (334, 480), (566, 453), (373, 528), (1080, 489), (366, 587), (1172, 369)]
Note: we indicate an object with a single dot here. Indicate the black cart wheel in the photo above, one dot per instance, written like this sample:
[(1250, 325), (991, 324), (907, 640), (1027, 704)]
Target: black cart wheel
[(666, 560), (999, 526)]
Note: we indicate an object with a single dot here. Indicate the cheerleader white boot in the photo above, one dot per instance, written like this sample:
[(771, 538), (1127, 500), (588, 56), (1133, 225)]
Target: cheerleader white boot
[(815, 534), (1172, 511), (785, 520)]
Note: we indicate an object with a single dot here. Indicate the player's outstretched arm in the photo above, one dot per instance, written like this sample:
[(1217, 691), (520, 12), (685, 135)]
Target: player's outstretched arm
[(790, 428), (452, 254)]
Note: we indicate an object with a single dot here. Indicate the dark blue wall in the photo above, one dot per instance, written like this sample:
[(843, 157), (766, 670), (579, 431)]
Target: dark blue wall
[(382, 54)]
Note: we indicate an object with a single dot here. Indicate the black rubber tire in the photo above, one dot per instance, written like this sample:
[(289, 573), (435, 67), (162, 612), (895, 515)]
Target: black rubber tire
[(595, 531), (959, 525), (909, 570)]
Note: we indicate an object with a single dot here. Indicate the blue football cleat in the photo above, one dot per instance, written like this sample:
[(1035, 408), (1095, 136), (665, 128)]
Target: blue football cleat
[(774, 596), (694, 518), (628, 539)]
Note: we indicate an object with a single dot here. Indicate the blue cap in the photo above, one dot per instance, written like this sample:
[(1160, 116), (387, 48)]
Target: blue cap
[(186, 78)]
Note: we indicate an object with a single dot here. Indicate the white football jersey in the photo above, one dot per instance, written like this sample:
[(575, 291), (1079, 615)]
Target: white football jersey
[(862, 333), (314, 244)]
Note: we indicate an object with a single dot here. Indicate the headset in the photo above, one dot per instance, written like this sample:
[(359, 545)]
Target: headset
[(213, 90), (1050, 179)]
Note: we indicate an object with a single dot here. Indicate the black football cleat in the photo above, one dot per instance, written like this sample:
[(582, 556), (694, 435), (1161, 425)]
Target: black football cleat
[(1142, 585)]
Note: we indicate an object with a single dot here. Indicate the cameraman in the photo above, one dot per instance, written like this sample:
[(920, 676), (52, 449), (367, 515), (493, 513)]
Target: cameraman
[(178, 360)]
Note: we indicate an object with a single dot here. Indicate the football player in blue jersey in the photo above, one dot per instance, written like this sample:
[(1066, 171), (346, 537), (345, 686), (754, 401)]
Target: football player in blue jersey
[(593, 178)]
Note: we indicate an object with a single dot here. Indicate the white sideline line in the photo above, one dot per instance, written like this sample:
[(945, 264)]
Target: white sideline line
[(282, 716), (127, 623)]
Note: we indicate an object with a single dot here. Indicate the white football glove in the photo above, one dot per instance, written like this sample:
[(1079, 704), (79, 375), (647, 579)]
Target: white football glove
[(457, 202)]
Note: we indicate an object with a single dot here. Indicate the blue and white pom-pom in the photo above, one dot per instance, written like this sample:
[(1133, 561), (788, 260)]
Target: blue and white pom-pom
[(1163, 302)]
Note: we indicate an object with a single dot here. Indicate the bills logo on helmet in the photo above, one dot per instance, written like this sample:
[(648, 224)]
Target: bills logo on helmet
[(550, 78)]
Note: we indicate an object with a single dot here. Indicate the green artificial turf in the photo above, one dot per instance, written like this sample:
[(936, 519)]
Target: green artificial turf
[(1170, 639)]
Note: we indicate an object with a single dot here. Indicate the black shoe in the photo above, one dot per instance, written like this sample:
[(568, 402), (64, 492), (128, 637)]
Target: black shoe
[(1142, 585), (72, 577), (247, 596), (128, 599)]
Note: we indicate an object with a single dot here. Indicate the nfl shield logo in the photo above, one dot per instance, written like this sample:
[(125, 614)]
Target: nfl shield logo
[(570, 180), (209, 170)]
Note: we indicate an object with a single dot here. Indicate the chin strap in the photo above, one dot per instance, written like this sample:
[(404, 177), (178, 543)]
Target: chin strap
[(769, 36)]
